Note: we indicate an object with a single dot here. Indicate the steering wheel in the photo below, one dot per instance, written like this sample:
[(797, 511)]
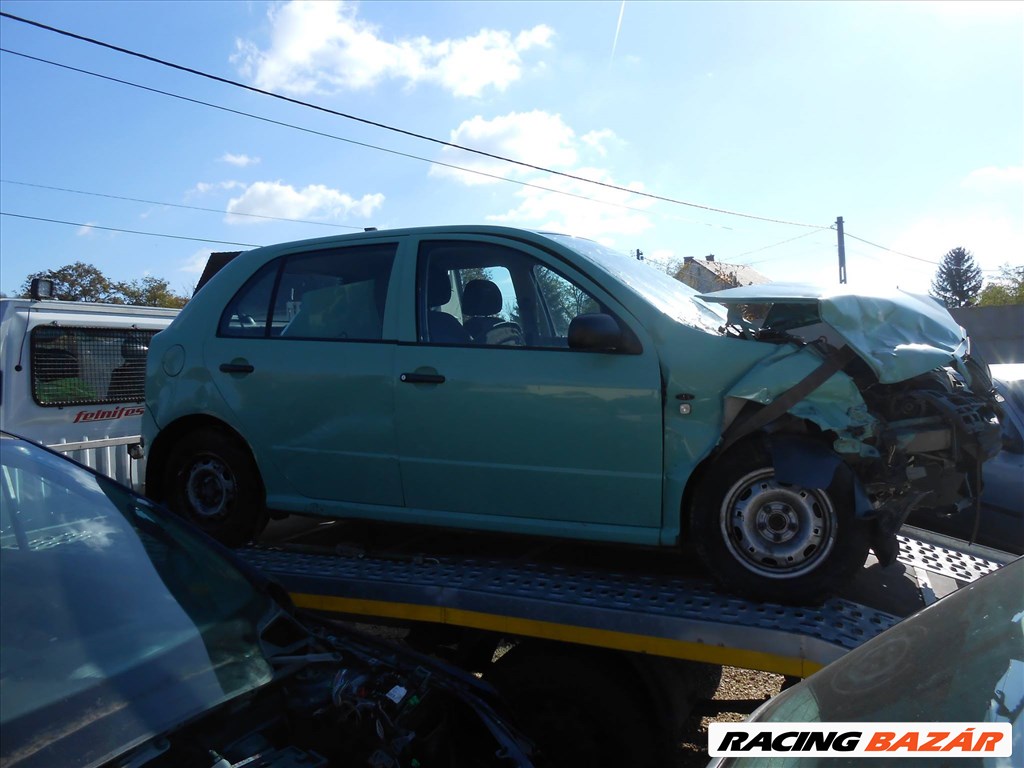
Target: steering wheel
[(505, 335)]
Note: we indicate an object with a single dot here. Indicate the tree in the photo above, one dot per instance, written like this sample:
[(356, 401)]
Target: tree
[(84, 282), (1008, 288), (957, 282), (150, 292)]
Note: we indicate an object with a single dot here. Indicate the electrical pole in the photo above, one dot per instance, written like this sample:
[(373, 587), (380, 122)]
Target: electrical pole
[(842, 250)]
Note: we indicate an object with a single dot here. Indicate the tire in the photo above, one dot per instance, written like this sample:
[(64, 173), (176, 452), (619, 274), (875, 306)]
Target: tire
[(211, 479), (770, 541), (579, 707)]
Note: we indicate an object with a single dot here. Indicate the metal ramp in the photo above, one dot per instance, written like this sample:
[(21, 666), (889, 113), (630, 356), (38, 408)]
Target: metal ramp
[(663, 615)]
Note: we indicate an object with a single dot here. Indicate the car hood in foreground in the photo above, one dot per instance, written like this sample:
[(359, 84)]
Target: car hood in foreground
[(898, 334)]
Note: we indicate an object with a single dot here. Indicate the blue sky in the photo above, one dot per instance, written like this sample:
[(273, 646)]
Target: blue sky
[(907, 119)]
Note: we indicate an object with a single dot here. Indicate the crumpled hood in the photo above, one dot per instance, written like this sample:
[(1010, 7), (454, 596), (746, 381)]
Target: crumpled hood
[(898, 334)]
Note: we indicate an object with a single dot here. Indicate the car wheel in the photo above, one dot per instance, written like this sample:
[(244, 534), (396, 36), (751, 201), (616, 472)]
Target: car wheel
[(213, 481), (774, 541)]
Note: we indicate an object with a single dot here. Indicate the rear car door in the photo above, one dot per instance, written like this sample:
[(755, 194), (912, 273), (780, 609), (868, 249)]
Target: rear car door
[(304, 359)]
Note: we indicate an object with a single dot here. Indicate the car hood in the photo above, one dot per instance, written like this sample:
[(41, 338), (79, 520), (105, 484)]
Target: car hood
[(898, 334)]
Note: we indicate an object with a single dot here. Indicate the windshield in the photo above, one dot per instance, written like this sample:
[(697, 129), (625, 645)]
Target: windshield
[(962, 660), (668, 295), (116, 623)]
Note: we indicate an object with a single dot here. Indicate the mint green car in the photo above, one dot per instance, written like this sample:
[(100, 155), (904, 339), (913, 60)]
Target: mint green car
[(505, 380)]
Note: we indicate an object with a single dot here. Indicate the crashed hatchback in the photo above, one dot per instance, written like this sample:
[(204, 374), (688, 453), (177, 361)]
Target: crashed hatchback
[(534, 383)]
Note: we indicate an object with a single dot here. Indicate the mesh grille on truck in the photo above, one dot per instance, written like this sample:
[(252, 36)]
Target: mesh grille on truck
[(88, 366)]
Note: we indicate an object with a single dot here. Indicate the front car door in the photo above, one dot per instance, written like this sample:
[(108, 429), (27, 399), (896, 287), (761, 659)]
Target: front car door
[(500, 424)]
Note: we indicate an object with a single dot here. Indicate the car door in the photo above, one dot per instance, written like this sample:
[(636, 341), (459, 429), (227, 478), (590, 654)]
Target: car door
[(500, 423), (305, 365)]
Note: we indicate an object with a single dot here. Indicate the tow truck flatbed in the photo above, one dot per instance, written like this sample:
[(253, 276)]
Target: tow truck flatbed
[(615, 604)]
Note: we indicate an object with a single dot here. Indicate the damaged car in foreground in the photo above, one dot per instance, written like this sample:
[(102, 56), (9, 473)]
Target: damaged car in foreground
[(535, 383), (129, 639)]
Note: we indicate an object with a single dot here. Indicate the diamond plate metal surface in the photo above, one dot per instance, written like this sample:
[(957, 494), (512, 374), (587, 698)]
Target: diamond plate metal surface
[(664, 606), (943, 560)]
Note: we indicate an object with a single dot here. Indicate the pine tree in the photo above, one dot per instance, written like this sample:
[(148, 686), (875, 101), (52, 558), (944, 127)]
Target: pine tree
[(957, 281)]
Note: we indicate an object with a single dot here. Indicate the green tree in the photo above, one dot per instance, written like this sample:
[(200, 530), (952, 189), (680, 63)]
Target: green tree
[(1008, 288), (957, 281), (84, 282), (75, 282), (150, 292)]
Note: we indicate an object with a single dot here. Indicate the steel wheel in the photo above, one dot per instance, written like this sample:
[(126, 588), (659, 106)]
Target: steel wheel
[(777, 530), (210, 488), (212, 480)]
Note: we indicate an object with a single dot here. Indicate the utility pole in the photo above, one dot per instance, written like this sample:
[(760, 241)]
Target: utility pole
[(842, 250)]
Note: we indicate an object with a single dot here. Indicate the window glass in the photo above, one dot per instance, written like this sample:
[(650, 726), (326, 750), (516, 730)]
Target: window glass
[(484, 294), (563, 300), (248, 311), (329, 294), (87, 366)]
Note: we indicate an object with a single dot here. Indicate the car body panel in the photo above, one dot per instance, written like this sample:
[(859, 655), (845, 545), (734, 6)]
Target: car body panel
[(899, 334)]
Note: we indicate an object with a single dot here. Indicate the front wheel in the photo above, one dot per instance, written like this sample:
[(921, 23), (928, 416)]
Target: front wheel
[(213, 481), (771, 540)]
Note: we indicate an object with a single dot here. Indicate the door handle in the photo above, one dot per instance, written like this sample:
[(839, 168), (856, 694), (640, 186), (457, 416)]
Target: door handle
[(422, 378), (236, 368)]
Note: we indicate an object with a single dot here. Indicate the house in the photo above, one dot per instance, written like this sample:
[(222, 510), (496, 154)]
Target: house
[(710, 275)]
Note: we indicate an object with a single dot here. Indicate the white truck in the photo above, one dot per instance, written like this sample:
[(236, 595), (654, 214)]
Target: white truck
[(72, 376)]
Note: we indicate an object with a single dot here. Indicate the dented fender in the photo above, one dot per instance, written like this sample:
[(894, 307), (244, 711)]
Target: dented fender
[(836, 405)]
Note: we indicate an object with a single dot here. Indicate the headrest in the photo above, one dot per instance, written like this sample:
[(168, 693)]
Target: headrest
[(481, 297), (439, 288)]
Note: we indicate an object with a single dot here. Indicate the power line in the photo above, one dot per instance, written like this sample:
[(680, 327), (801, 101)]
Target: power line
[(393, 129), (328, 135), (178, 205), (127, 231), (783, 242), (890, 250)]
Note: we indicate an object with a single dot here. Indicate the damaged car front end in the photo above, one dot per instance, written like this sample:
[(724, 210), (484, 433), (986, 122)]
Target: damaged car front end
[(874, 396)]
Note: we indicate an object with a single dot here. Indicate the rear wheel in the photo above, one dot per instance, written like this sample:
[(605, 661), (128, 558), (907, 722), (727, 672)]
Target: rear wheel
[(772, 540), (212, 480)]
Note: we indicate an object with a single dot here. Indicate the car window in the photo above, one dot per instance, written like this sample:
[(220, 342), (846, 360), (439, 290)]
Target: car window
[(489, 295), (335, 294)]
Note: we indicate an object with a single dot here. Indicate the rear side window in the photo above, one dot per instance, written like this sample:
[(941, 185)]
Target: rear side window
[(334, 294), (88, 366)]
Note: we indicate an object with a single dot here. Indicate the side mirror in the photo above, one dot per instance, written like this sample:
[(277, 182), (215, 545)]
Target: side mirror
[(600, 333)]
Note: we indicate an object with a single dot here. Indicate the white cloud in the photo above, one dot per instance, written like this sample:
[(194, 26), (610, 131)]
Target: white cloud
[(992, 178), (324, 47), (203, 187), (316, 201), (542, 209), (596, 140), (196, 263), (536, 137), (86, 229), (240, 160), (545, 140)]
